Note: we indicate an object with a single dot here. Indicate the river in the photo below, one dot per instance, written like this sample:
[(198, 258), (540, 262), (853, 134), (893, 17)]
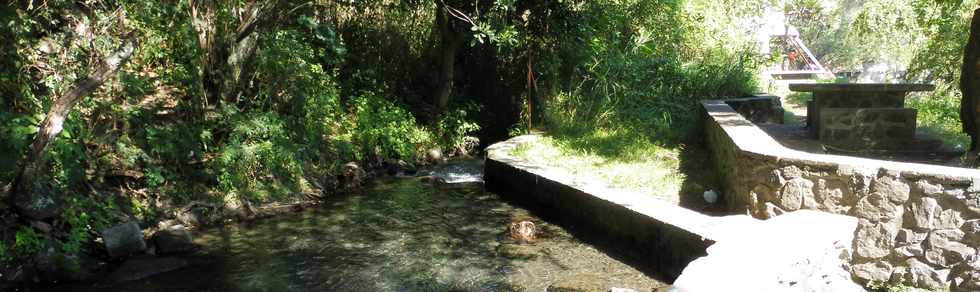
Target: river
[(399, 234)]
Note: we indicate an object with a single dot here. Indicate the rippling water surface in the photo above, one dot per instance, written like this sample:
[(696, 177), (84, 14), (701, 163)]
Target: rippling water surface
[(399, 235)]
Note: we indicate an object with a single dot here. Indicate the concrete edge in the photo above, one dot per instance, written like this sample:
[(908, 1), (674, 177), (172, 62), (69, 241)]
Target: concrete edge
[(751, 139), (648, 231)]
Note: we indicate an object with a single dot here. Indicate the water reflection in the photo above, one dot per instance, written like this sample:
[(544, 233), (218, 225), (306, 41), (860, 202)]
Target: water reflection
[(401, 235)]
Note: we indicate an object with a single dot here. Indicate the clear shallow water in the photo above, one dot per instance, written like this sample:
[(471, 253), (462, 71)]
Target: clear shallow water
[(400, 235)]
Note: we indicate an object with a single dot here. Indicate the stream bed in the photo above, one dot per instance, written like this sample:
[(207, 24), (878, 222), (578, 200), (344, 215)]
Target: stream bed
[(399, 234)]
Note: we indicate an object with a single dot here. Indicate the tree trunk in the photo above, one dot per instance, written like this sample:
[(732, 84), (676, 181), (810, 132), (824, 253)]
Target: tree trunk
[(242, 51), (53, 122), (970, 83), (450, 42), (223, 64), (203, 20)]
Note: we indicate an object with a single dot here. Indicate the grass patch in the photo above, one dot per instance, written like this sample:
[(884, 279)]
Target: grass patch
[(799, 98), (790, 118), (615, 158), (939, 116)]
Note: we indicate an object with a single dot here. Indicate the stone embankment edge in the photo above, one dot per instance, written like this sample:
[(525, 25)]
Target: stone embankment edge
[(918, 224), (652, 233)]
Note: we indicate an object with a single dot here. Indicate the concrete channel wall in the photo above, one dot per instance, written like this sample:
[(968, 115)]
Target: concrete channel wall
[(918, 224), (649, 232)]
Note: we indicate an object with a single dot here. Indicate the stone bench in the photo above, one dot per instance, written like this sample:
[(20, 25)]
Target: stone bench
[(867, 128), (853, 95)]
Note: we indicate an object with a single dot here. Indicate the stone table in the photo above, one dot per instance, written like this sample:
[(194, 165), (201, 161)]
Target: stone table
[(860, 111)]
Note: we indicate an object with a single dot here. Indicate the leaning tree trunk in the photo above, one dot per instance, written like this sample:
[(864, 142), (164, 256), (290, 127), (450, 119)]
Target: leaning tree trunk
[(37, 206), (970, 83)]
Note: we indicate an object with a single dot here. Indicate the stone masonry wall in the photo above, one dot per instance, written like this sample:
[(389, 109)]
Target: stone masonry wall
[(919, 224), (759, 109), (856, 128)]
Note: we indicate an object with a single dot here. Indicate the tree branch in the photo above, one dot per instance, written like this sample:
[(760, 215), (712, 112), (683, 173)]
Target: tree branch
[(53, 122)]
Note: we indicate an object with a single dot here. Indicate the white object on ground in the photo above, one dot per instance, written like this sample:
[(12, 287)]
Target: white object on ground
[(710, 196)]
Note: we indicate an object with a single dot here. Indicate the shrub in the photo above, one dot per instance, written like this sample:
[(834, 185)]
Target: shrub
[(383, 129), (26, 242), (260, 159), (455, 125)]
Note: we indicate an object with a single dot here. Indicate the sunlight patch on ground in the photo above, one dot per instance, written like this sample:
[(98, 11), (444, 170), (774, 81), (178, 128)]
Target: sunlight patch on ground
[(642, 167)]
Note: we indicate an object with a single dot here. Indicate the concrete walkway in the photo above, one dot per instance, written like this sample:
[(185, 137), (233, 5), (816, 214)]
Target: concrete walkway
[(798, 251)]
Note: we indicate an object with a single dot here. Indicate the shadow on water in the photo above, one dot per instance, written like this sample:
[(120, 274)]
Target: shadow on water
[(400, 235)]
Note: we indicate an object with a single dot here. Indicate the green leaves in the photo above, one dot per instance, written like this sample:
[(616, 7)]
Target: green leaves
[(260, 160), (329, 47), (26, 242), (385, 130)]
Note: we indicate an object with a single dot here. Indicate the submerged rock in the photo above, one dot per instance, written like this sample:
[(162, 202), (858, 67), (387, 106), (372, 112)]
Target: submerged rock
[(144, 267), (399, 168), (123, 240), (523, 231)]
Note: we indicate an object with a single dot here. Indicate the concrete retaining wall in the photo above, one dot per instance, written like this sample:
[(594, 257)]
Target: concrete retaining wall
[(918, 224), (649, 232)]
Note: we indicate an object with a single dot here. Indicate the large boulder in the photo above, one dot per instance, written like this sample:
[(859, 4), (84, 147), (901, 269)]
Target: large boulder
[(124, 240), (173, 240), (35, 200)]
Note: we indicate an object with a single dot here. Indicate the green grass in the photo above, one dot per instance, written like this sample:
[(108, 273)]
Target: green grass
[(799, 98), (615, 158), (939, 116)]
